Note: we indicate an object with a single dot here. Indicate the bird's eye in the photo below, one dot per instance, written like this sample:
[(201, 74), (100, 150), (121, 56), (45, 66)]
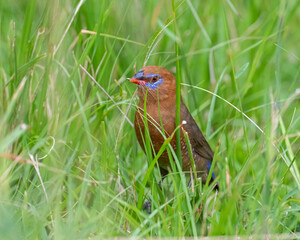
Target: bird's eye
[(154, 78)]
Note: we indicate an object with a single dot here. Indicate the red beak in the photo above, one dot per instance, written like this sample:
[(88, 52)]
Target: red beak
[(137, 81)]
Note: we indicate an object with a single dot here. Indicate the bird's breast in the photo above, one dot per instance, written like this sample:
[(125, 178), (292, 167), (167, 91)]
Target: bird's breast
[(160, 127), (160, 124)]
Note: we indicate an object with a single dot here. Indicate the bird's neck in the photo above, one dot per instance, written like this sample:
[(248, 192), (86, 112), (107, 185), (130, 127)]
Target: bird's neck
[(162, 101)]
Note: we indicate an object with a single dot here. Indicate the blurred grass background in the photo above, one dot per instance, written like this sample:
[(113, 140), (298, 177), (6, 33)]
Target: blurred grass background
[(70, 164)]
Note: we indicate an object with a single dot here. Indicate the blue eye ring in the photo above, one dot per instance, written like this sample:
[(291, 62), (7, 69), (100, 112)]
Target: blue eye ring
[(155, 84)]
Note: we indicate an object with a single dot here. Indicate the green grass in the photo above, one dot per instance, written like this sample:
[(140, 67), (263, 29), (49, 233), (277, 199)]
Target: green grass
[(70, 164)]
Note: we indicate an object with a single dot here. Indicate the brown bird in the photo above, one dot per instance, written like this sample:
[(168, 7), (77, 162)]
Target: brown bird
[(160, 85)]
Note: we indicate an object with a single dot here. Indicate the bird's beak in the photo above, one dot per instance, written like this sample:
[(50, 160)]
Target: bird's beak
[(137, 81)]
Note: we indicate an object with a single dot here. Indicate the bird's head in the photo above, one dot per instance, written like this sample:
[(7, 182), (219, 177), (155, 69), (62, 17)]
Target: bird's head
[(157, 81)]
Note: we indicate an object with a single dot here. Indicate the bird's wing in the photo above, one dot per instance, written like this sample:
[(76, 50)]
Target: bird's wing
[(196, 137)]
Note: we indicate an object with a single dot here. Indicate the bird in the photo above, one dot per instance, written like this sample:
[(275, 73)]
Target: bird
[(156, 86)]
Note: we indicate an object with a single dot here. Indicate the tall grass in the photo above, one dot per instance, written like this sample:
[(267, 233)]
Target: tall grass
[(70, 164)]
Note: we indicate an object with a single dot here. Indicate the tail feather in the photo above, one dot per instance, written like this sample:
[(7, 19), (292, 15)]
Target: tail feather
[(213, 176)]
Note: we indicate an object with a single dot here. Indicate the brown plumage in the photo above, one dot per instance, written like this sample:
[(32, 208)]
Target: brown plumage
[(161, 85)]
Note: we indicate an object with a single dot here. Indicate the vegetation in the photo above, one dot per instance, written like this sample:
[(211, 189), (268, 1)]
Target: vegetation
[(70, 164)]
